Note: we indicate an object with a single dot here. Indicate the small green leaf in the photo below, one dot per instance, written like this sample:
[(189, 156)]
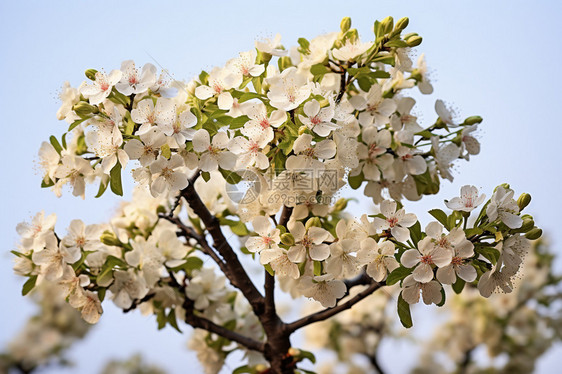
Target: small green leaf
[(355, 181), (269, 269), (231, 177), (404, 312), (28, 285), (398, 274), (319, 69), (491, 254), (458, 285), (76, 123), (101, 293), (115, 179), (443, 297), (206, 176), (104, 182), (238, 122), (173, 321), (55, 143), (49, 183), (440, 216), (415, 232)]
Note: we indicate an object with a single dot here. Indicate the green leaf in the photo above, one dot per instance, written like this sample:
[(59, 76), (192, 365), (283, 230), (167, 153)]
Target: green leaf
[(319, 69), (173, 321), (243, 370), (161, 319), (396, 43), (104, 182), (55, 143), (443, 297), (458, 285), (250, 95), (491, 254), (269, 269), (398, 274), (317, 268), (307, 355), (231, 177), (76, 123), (415, 232), (238, 122), (101, 293), (404, 312), (473, 231), (355, 181), (115, 179), (28, 285), (440, 216), (44, 184), (206, 176)]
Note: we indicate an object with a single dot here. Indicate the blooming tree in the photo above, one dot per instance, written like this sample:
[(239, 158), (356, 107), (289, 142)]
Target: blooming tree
[(250, 159)]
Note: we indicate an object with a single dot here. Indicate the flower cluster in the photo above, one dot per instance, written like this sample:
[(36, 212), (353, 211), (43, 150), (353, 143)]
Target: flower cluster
[(295, 126)]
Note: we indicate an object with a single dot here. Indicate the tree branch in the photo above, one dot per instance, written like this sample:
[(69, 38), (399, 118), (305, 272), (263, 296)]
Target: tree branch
[(236, 272), (327, 313), (205, 324)]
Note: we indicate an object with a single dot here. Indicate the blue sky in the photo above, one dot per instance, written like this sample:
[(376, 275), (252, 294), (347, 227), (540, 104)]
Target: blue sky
[(497, 59)]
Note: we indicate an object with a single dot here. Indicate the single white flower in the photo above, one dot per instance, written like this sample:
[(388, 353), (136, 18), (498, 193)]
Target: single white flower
[(319, 119), (147, 258), (444, 157), (288, 89), (468, 200), (503, 206), (134, 83), (213, 154), (494, 279), (49, 161), (219, 82), (249, 153), (446, 114), (373, 108), (379, 258), (127, 287), (80, 236), (168, 175), (308, 243), (205, 288), (372, 153), (34, 235), (269, 237), (323, 289), (245, 65), (74, 170), (431, 291), (147, 149), (271, 46), (69, 96), (396, 221), (100, 89), (459, 266), (350, 50), (279, 261), (424, 84), (260, 126), (54, 258), (343, 260)]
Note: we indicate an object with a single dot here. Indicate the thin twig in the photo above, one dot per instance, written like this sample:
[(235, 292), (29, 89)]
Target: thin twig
[(327, 313)]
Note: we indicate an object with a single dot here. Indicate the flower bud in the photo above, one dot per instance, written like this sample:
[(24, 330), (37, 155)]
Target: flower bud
[(345, 24), (287, 239), (109, 238), (472, 120), (83, 108), (91, 74), (314, 221), (261, 368), (340, 205), (523, 200), (527, 225), (387, 25), (302, 130), (294, 351), (284, 63), (534, 234), (402, 23), (414, 41)]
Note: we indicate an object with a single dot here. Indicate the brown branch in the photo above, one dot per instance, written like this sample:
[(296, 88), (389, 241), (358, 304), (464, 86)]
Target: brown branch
[(236, 273), (329, 312), (205, 324)]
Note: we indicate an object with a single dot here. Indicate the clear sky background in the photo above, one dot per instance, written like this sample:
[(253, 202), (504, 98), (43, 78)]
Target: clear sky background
[(498, 59)]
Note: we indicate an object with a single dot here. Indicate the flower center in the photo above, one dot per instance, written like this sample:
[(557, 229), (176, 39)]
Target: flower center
[(392, 221), (457, 261), (426, 260)]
